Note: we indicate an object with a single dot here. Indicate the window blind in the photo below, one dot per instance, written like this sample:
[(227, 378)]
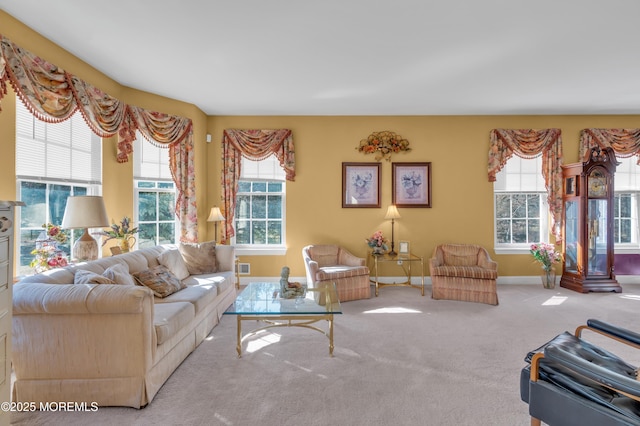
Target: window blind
[(268, 169), (150, 162), (67, 151)]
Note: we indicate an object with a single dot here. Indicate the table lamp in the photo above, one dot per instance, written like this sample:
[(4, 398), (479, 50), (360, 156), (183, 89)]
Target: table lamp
[(392, 213), (215, 216), (84, 212)]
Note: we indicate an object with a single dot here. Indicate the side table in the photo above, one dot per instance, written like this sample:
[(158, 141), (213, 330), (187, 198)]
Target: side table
[(404, 261)]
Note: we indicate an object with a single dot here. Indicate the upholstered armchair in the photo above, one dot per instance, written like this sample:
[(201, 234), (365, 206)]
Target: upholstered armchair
[(463, 272), (569, 381), (332, 263)]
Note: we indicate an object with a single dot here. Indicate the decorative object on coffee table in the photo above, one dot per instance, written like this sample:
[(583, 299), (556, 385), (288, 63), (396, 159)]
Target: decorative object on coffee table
[(84, 212)]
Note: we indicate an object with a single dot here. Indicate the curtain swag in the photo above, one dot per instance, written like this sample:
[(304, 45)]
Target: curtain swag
[(624, 142), (54, 95), (529, 143), (254, 145)]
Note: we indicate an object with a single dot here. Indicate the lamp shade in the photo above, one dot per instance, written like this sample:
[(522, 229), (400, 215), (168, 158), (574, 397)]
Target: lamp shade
[(85, 211), (215, 215), (392, 212)]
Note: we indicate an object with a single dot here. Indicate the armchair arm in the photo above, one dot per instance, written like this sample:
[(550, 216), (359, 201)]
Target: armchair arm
[(346, 258), (484, 260), (617, 333)]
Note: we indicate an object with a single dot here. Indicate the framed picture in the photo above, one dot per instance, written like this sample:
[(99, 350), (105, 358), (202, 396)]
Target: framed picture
[(361, 184), (411, 184), (403, 248)]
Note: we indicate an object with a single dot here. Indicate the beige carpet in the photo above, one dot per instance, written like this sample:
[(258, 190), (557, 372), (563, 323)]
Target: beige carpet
[(400, 359)]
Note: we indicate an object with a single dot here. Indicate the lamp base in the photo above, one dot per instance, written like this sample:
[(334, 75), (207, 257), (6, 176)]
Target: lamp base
[(392, 253), (86, 248)]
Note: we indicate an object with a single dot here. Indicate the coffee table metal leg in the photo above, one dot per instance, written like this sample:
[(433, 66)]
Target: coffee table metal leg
[(331, 334), (239, 344)]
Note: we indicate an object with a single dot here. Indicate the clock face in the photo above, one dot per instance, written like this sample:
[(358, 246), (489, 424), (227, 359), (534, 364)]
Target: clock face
[(597, 184)]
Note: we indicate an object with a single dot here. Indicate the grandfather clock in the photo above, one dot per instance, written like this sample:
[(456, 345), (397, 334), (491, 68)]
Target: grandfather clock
[(587, 242)]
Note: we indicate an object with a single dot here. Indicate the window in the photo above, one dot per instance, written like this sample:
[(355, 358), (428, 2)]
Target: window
[(155, 195), (626, 190), (260, 207), (53, 162), (521, 208)]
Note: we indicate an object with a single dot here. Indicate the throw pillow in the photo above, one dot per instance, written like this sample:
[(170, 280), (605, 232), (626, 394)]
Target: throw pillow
[(119, 274), (173, 260), (199, 258), (160, 280), (87, 277)]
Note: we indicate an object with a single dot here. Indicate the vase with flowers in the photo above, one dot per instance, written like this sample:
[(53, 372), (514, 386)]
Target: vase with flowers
[(48, 254), (123, 233), (547, 255), (377, 242)]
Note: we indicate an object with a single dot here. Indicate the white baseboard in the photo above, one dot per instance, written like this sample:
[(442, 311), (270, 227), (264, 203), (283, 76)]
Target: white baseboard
[(508, 280)]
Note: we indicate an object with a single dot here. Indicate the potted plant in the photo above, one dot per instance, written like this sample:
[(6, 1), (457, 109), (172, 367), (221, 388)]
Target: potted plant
[(547, 255)]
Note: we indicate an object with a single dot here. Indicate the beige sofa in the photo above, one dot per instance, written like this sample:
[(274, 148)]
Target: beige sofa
[(112, 344)]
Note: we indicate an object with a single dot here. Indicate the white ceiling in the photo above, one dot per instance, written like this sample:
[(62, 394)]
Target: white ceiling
[(359, 57)]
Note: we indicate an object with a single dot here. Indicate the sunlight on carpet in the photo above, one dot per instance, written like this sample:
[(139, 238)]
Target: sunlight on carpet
[(263, 341), (554, 300), (393, 310), (630, 296)]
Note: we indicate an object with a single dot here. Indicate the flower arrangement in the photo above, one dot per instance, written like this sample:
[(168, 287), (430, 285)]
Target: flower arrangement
[(47, 256), (545, 254), (55, 233), (383, 144), (377, 241), (124, 231)]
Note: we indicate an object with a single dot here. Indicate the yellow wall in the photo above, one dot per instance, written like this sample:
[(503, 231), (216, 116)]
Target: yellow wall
[(456, 146), (462, 201)]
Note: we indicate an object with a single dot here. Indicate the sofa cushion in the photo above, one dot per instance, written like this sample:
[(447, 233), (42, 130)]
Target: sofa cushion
[(160, 280), (200, 258), (173, 260), (119, 274), (87, 277), (169, 318), (222, 280), (325, 255), (199, 296), (340, 271), (465, 272)]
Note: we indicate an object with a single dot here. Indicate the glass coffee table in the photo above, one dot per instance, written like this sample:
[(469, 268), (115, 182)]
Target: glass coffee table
[(262, 302)]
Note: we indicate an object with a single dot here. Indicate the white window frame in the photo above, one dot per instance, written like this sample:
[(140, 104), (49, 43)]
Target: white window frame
[(55, 154), (521, 176), (627, 181), (151, 164), (267, 170)]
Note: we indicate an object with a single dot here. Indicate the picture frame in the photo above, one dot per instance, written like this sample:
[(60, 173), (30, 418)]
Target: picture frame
[(361, 185), (404, 248), (411, 184)]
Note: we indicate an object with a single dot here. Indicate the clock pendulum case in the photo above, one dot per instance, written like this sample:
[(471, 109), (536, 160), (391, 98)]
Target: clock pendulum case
[(587, 228)]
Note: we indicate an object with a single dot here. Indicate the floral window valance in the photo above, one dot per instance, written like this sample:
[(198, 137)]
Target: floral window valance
[(53, 95), (624, 142), (529, 143), (254, 145)]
